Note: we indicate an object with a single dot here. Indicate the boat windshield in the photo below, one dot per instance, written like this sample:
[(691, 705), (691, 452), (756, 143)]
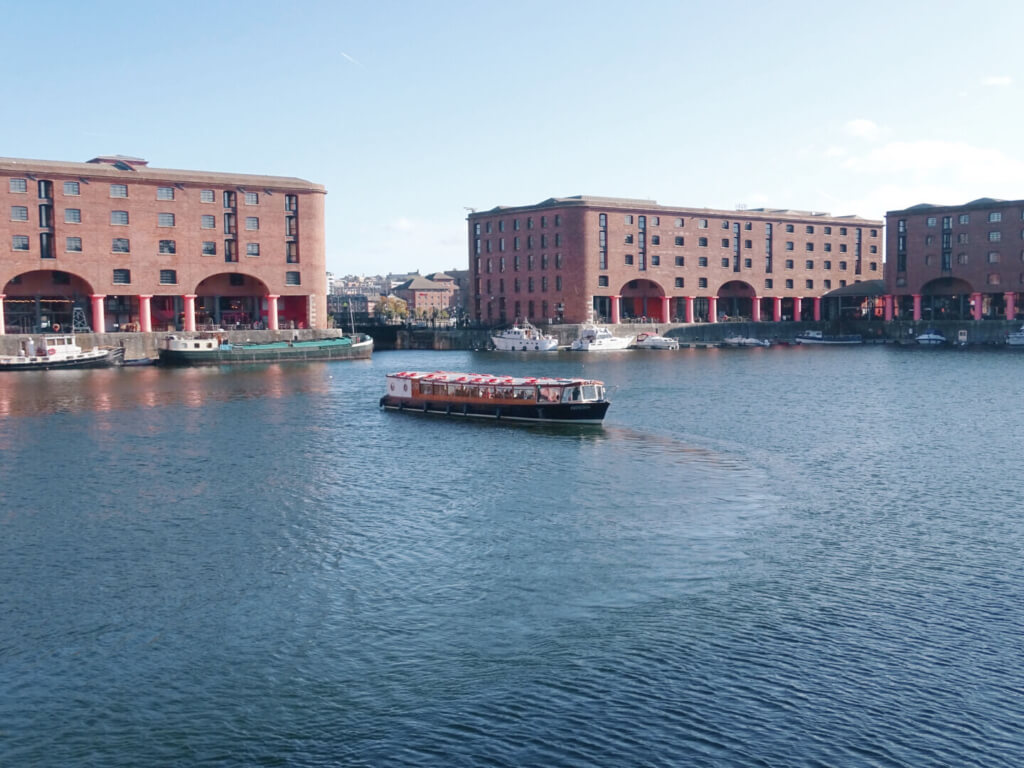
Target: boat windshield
[(592, 392)]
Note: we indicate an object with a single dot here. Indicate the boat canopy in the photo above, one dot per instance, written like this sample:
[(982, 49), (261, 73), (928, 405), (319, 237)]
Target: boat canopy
[(451, 377)]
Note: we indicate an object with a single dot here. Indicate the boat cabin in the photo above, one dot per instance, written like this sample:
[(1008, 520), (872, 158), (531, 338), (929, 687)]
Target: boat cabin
[(468, 387)]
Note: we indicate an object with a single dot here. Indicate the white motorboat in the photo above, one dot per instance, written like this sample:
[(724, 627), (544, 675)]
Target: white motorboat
[(654, 341), (597, 338), (1016, 339), (931, 337), (60, 351), (524, 337), (745, 341), (817, 337)]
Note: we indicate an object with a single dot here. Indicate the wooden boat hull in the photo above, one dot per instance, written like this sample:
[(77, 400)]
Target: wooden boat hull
[(546, 413), (277, 352)]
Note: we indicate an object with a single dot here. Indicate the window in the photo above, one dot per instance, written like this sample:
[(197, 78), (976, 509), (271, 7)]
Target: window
[(827, 265), (767, 282), (628, 219), (789, 245), (842, 247), (73, 245), (168, 246), (252, 198), (828, 230), (702, 242), (725, 263), (628, 240), (119, 218), (655, 221), (207, 196), (748, 244), (995, 216), (789, 227), (725, 225), (235, 279), (873, 249), (19, 213), (558, 282), (961, 237), (828, 247), (873, 266), (230, 250), (558, 219), (842, 265), (809, 247), (842, 230), (19, 185), (965, 218), (229, 199), (19, 242), (119, 190), (809, 264), (680, 222), (929, 239), (120, 245), (809, 229), (702, 224), (702, 261), (993, 278), (809, 284), (165, 193), (748, 263), (629, 259), (655, 260), (702, 282), (828, 284), (961, 258), (208, 221), (292, 278), (72, 215), (679, 240), (602, 281), (995, 237), (209, 248), (789, 263), (165, 219), (789, 283), (725, 242), (993, 257), (291, 203), (680, 261), (168, 277), (72, 188), (655, 239), (122, 277), (253, 223)]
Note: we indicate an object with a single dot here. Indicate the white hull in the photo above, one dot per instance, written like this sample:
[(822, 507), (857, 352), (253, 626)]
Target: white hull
[(655, 342), (594, 338), (524, 338)]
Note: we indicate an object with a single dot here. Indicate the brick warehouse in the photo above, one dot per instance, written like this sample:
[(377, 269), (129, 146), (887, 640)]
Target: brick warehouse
[(958, 262), (139, 248), (576, 258)]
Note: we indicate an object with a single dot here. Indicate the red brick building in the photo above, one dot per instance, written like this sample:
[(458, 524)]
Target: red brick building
[(575, 258), (140, 248), (959, 262), (424, 295)]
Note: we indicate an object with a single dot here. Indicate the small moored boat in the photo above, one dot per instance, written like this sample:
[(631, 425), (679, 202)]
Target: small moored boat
[(654, 341), (931, 337), (744, 341), (485, 396), (597, 338), (212, 348), (524, 337), (60, 351), (1016, 338)]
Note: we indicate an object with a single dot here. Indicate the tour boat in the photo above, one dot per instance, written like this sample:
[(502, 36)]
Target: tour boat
[(654, 341), (1016, 339), (212, 348), (60, 351), (931, 337), (524, 337), (597, 338), (745, 341), (485, 396), (817, 337)]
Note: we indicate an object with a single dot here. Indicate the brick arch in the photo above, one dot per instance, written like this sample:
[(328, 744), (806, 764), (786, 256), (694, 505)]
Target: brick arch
[(641, 297), (946, 286), (41, 281), (219, 284)]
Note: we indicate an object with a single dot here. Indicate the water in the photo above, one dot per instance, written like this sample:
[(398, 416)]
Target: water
[(775, 557)]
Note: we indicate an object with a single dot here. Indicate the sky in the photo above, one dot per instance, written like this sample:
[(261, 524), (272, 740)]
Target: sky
[(413, 113)]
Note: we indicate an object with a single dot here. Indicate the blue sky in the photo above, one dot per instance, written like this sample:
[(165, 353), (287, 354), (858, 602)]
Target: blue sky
[(411, 112)]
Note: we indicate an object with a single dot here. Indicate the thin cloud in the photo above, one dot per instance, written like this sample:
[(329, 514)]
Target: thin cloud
[(350, 58), (997, 81), (862, 129)]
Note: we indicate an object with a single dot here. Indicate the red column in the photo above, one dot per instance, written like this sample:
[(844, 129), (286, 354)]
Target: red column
[(145, 314), (666, 316), (99, 322), (976, 298), (777, 309), (1009, 297), (755, 309), (615, 309), (689, 309), (190, 311), (272, 311), (712, 309), (887, 304), (917, 306), (3, 326), (817, 308), (797, 308)]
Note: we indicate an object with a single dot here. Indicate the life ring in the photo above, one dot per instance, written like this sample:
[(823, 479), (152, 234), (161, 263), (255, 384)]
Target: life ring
[(51, 351), (56, 327)]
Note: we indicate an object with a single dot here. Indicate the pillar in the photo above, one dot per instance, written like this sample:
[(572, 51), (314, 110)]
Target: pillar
[(777, 309), (887, 304), (666, 311), (976, 298), (688, 317), (797, 308), (615, 309), (145, 314), (817, 309), (917, 306), (1009, 297), (755, 309), (99, 322), (3, 326), (272, 311), (712, 309), (190, 311)]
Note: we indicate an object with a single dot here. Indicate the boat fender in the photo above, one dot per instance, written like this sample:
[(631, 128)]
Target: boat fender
[(381, 403), (497, 414), (425, 406), (465, 409)]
